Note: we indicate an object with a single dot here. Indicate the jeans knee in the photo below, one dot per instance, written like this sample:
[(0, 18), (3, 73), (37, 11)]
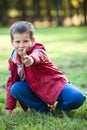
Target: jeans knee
[(15, 89), (78, 100), (83, 98)]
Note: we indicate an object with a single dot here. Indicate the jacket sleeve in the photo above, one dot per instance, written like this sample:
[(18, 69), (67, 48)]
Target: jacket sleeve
[(10, 100), (38, 54)]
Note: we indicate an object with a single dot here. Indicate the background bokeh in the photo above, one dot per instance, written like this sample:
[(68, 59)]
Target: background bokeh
[(44, 13)]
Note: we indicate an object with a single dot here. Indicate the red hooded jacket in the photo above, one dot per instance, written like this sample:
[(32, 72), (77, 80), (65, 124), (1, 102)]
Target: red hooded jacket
[(44, 78)]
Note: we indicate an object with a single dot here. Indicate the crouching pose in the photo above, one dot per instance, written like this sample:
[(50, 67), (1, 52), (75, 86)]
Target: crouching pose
[(33, 80)]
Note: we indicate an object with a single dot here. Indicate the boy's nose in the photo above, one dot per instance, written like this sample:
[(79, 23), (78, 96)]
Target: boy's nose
[(21, 44)]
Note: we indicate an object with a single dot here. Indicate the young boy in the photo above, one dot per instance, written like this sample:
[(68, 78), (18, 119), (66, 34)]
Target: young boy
[(33, 79)]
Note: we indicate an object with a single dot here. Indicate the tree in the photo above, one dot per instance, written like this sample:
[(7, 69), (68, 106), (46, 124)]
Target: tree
[(58, 7), (85, 11), (4, 6)]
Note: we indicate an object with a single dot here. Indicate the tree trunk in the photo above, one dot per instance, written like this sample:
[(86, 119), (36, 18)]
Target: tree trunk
[(58, 6), (85, 11)]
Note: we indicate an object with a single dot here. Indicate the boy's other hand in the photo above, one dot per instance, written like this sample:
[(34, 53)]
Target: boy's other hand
[(8, 112)]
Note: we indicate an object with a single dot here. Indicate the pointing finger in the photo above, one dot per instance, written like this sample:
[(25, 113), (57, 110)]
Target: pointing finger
[(24, 53)]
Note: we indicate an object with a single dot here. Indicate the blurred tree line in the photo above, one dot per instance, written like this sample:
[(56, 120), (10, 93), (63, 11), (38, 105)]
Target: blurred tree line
[(53, 12)]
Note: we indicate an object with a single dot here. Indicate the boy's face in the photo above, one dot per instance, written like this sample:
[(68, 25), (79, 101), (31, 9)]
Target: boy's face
[(21, 42)]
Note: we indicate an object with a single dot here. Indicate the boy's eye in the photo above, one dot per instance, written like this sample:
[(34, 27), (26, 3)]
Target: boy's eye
[(26, 41), (17, 41)]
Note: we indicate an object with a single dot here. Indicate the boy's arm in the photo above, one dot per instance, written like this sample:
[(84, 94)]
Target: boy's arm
[(39, 56), (10, 100)]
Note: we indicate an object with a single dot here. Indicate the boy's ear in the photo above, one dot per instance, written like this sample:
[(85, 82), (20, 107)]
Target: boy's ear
[(33, 39)]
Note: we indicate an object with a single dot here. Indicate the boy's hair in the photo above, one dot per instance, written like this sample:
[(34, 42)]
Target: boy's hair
[(22, 27)]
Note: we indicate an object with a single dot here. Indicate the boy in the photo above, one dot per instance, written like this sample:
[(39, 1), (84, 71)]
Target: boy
[(33, 79)]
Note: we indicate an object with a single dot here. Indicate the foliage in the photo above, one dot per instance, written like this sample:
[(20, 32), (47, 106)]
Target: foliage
[(67, 49), (41, 10)]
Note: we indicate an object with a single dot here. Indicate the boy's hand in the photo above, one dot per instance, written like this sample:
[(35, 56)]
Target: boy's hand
[(27, 60), (8, 112)]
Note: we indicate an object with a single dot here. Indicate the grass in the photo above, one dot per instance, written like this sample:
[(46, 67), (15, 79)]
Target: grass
[(67, 48)]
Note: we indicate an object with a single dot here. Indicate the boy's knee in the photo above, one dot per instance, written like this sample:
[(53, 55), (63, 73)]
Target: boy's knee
[(14, 90), (78, 100), (80, 97)]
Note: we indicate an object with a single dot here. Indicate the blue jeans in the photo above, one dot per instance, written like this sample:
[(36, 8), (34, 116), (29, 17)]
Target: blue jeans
[(69, 99)]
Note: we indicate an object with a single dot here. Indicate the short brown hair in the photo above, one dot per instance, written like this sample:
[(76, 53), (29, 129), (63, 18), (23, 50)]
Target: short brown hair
[(21, 27)]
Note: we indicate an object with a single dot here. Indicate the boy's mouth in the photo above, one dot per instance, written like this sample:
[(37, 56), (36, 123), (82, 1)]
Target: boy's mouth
[(21, 50)]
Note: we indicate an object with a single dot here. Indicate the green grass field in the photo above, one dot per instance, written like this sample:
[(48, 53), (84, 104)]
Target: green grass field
[(67, 48)]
